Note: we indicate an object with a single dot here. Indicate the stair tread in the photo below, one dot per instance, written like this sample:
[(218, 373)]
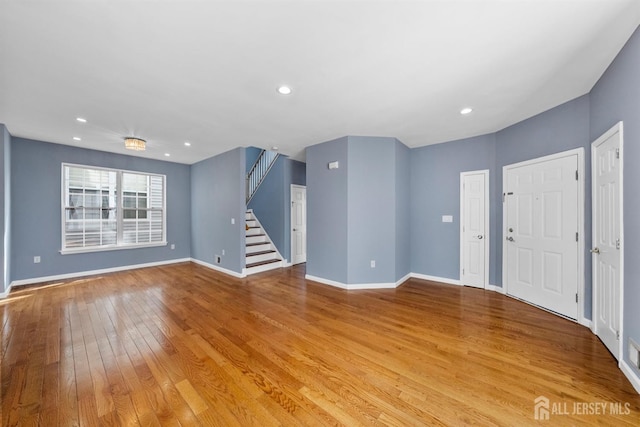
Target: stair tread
[(258, 243), (256, 264), (271, 251), (256, 235)]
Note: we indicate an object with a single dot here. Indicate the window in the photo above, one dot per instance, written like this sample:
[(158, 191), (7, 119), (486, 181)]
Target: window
[(111, 209)]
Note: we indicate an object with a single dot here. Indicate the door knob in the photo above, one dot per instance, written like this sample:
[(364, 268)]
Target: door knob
[(510, 239), (595, 250), (480, 236)]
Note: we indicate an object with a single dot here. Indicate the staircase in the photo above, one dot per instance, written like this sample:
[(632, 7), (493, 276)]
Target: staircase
[(261, 254)]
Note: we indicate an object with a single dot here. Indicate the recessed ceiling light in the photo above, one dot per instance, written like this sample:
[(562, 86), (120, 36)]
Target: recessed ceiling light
[(187, 144), (284, 90), (274, 148), (167, 154), (466, 110), (77, 138), (81, 120)]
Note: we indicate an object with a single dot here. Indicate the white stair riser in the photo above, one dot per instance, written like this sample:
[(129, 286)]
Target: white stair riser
[(248, 216), (254, 231), (256, 239), (251, 223), (258, 248), (259, 258), (261, 268)]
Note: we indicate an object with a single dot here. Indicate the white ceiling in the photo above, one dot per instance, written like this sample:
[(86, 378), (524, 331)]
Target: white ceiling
[(207, 71)]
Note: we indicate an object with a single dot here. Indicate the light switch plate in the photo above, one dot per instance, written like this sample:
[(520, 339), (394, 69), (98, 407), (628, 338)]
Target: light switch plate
[(447, 218)]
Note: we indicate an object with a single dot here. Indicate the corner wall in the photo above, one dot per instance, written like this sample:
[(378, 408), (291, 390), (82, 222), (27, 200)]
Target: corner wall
[(5, 208), (217, 198), (616, 97)]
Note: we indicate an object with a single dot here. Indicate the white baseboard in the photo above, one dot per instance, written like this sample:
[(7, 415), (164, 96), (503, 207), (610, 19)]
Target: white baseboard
[(587, 323), (495, 288), (31, 281), (218, 268), (351, 286), (403, 279), (6, 291), (631, 375), (436, 279)]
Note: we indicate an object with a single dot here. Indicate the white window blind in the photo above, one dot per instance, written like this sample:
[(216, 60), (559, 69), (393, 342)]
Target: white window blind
[(110, 209)]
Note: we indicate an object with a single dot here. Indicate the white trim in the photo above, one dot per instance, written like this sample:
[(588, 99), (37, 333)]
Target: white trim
[(579, 152), (403, 279), (218, 268), (487, 232), (354, 286), (291, 226), (286, 263), (631, 375), (6, 292), (586, 323), (617, 128), (436, 279), (110, 248), (495, 288), (31, 281), (261, 268)]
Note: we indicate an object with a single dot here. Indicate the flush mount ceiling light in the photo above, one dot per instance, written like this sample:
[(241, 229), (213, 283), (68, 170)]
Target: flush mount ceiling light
[(81, 120), (137, 144), (77, 138), (187, 144), (466, 111), (284, 90)]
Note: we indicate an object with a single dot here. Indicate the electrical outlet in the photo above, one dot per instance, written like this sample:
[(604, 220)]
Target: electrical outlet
[(218, 259), (173, 246), (36, 259), (233, 221), (373, 263)]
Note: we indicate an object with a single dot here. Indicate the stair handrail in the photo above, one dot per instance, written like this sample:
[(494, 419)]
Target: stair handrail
[(258, 172)]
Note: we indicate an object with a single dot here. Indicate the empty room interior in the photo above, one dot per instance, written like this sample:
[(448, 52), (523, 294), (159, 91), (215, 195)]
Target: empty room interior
[(320, 213)]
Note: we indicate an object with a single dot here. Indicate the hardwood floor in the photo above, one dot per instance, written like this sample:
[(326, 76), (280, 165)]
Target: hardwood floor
[(184, 345)]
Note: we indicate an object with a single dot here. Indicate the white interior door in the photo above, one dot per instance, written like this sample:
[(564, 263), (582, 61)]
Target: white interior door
[(606, 167), (474, 228), (298, 224), (541, 232)]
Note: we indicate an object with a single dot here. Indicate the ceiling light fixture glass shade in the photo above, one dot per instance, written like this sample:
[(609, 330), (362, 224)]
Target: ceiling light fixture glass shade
[(284, 90), (136, 144)]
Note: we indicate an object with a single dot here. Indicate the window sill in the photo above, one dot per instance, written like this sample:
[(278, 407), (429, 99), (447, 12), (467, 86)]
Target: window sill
[(110, 248)]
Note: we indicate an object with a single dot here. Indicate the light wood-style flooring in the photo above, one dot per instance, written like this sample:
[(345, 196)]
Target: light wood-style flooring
[(184, 345)]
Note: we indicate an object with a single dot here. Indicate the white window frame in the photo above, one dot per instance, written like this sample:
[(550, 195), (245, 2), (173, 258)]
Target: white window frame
[(119, 212)]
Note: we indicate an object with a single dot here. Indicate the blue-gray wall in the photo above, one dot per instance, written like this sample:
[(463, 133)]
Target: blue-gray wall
[(371, 209), (403, 211), (616, 97), (358, 213), (250, 156), (36, 210), (435, 191), (327, 210), (5, 207), (217, 196)]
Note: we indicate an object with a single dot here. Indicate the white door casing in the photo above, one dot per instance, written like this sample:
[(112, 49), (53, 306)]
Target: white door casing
[(298, 224), (543, 232), (607, 232), (474, 228)]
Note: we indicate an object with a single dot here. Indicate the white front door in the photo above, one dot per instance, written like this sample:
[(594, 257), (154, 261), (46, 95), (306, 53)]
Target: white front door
[(298, 224), (606, 175), (541, 231), (474, 228)]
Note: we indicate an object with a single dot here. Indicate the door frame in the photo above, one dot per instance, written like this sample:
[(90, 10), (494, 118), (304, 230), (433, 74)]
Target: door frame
[(618, 127), (291, 237), (579, 152), (487, 205)]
